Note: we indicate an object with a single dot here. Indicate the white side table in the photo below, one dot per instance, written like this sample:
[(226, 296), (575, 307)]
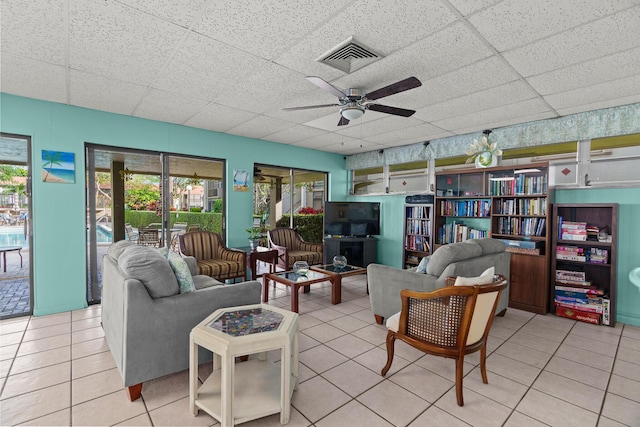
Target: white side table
[(234, 394)]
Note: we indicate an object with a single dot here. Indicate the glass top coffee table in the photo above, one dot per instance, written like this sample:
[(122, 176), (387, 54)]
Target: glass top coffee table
[(295, 281), (336, 274)]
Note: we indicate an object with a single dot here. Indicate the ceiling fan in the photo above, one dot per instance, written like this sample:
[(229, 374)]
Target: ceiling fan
[(354, 102)]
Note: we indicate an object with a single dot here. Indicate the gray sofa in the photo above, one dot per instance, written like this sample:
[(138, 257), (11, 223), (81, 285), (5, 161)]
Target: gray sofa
[(146, 320), (468, 259)]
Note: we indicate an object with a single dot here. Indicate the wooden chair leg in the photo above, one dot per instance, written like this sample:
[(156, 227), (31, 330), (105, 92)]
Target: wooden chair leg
[(134, 392), (379, 319), (483, 363), (391, 339), (459, 372)]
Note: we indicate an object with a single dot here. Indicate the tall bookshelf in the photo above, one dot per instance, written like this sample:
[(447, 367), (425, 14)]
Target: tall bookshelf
[(418, 241), (584, 257), (507, 203)]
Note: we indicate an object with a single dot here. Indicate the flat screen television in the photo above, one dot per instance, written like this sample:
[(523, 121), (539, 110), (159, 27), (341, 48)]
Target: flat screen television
[(351, 218)]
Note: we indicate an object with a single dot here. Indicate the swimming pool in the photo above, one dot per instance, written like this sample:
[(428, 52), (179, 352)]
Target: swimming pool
[(15, 236)]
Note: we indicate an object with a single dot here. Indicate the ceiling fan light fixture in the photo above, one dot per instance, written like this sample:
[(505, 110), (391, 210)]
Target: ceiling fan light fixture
[(352, 112)]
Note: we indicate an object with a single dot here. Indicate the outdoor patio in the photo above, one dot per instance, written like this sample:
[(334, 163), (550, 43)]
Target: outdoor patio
[(14, 285)]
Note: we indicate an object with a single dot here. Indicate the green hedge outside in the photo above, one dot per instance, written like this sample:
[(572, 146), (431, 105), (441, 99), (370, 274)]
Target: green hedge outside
[(308, 226), (207, 220)]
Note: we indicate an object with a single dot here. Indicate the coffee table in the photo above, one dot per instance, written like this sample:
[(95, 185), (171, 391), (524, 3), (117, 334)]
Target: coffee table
[(235, 394), (294, 281), (336, 275)]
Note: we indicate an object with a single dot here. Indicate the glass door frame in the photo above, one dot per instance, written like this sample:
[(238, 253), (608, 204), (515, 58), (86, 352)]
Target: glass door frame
[(29, 221)]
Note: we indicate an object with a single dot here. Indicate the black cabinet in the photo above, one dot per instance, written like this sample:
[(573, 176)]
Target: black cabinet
[(359, 251)]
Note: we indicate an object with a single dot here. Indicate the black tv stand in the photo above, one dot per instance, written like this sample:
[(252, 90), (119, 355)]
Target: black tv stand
[(359, 251)]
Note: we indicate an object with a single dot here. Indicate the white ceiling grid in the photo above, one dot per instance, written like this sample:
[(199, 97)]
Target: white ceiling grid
[(233, 65)]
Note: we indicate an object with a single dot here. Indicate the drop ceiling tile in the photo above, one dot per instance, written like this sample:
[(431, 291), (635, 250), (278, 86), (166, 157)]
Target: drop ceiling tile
[(514, 23), (327, 139), (34, 29), (467, 7), (596, 93), (593, 40), (168, 107), (350, 146), (88, 90), (219, 118), (480, 119), (182, 13), (607, 68), (385, 27), (33, 79), (258, 127), (506, 94), (269, 87), (414, 134), (265, 29), (625, 100), (294, 134), (206, 69), (383, 125), (119, 42), (488, 73)]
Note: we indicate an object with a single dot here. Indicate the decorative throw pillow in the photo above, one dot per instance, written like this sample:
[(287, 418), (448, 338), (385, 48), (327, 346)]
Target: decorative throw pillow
[(422, 267), (164, 252), (484, 279), (181, 270)]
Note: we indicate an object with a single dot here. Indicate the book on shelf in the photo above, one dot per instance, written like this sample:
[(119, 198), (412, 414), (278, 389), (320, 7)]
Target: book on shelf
[(592, 308), (606, 312), (591, 290), (570, 275)]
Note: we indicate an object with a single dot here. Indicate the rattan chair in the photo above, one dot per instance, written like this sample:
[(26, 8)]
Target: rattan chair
[(450, 322)]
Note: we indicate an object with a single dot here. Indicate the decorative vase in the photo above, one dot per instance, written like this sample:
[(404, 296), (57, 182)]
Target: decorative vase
[(301, 267), (254, 243), (339, 261), (486, 159)]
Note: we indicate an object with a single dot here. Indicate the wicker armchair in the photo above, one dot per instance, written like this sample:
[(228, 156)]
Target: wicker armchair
[(213, 258), (449, 322), (292, 248)]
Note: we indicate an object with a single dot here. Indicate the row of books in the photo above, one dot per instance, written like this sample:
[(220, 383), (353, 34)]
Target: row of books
[(417, 243), (522, 226), (458, 232), (595, 309), (418, 211), (575, 253), (537, 206), (475, 208), (521, 184), (418, 226)]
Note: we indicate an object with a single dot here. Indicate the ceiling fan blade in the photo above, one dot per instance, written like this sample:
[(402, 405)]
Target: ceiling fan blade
[(391, 110), (343, 121), (308, 107), (397, 87), (326, 86)]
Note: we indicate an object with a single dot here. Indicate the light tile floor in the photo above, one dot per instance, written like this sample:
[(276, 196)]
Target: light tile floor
[(543, 370)]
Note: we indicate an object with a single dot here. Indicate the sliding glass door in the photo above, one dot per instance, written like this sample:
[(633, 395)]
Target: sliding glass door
[(16, 240), (149, 198)]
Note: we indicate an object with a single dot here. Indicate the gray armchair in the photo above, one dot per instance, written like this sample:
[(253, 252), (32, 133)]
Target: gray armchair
[(468, 259), (147, 321)]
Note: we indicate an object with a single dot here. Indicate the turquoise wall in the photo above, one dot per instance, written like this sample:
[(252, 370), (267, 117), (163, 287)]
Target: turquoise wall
[(59, 210), (628, 251)]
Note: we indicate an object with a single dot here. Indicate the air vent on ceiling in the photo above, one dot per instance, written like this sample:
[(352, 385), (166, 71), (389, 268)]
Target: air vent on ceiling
[(349, 56)]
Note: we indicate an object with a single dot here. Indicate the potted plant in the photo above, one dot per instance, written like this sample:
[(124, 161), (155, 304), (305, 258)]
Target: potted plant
[(255, 234)]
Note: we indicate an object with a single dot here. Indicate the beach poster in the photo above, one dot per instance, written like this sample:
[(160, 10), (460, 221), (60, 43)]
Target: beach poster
[(58, 166), (240, 180)]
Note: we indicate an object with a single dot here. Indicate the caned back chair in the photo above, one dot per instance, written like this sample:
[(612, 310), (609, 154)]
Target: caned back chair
[(449, 322)]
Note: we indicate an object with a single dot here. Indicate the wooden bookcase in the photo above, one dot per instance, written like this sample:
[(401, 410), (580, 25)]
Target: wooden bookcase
[(602, 274), (418, 241), (507, 203)]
